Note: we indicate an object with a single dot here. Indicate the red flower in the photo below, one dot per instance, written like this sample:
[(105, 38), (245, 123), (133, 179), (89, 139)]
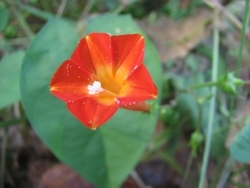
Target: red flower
[(104, 72)]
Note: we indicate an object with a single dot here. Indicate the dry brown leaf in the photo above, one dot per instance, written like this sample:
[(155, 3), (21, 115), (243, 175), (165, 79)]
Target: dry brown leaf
[(175, 39), (61, 176)]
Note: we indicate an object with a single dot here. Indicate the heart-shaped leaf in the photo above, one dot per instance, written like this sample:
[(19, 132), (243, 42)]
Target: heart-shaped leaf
[(104, 157)]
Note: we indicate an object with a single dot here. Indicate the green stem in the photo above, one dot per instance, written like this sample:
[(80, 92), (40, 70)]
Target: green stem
[(187, 170), (212, 102), (242, 38), (225, 173), (198, 126), (61, 8), (118, 9), (201, 85), (36, 12), (87, 8), (23, 23), (228, 14), (198, 86), (4, 146)]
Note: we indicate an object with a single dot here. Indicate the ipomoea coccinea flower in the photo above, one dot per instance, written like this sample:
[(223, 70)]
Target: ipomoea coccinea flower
[(104, 73)]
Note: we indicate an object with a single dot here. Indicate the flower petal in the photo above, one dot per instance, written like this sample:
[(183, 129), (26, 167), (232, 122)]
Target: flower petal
[(128, 54), (69, 83), (138, 87), (94, 54), (93, 112)]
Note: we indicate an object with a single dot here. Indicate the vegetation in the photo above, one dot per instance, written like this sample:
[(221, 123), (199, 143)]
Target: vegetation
[(197, 132)]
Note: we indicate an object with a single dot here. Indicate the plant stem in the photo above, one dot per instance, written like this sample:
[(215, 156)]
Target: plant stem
[(212, 102), (36, 12), (201, 85), (243, 31), (198, 86), (23, 23), (61, 8), (225, 173), (187, 170), (137, 179), (228, 14), (119, 8), (4, 145), (87, 9)]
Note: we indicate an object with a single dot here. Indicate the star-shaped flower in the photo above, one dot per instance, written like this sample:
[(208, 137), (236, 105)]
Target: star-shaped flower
[(104, 73)]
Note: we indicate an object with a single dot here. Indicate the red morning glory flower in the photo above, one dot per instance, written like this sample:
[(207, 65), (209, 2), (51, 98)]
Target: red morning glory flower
[(104, 73)]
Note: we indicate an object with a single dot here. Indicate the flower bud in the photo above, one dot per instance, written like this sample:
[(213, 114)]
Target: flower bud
[(195, 142), (228, 83)]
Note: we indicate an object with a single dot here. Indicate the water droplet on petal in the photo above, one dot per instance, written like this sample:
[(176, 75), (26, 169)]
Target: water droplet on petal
[(118, 102)]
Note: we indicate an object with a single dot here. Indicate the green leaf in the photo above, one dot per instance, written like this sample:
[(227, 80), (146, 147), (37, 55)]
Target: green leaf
[(4, 15), (106, 156), (10, 67), (240, 147)]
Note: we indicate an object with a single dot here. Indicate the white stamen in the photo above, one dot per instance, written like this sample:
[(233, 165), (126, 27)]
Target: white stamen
[(95, 88)]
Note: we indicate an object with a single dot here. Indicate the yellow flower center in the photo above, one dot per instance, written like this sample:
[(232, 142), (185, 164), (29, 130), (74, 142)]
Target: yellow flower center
[(105, 76), (107, 84)]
